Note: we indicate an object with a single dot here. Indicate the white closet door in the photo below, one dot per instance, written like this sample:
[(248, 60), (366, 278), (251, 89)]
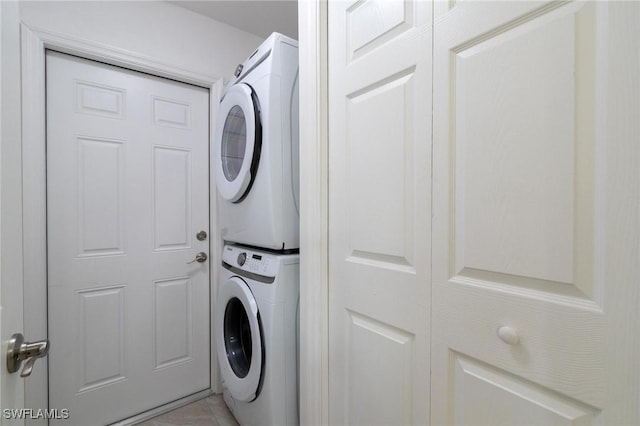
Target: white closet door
[(535, 229), (379, 216), (127, 191)]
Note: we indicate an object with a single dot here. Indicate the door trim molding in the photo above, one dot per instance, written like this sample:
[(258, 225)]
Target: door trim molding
[(314, 266), (34, 42)]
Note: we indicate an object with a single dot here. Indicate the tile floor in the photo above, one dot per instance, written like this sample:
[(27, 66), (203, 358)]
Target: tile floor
[(210, 411)]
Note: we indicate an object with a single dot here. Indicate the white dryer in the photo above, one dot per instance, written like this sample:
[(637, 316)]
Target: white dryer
[(256, 332), (255, 157)]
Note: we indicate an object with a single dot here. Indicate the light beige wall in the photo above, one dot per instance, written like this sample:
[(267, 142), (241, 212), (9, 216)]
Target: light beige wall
[(157, 30)]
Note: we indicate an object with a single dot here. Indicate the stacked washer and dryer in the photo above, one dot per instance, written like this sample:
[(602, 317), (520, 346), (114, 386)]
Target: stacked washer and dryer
[(255, 161)]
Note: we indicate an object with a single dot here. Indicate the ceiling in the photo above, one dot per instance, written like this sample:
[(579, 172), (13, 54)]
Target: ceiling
[(256, 17)]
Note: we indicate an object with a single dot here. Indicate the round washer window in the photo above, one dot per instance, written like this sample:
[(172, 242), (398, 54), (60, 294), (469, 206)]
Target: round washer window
[(234, 142), (237, 337)]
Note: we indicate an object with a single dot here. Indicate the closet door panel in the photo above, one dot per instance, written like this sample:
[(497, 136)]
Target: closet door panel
[(521, 300), (379, 180)]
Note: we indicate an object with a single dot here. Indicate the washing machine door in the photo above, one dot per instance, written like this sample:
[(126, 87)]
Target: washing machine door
[(239, 341), (238, 142)]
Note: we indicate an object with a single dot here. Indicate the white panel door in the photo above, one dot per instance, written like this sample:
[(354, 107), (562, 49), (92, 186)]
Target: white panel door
[(379, 180), (535, 209), (127, 192)]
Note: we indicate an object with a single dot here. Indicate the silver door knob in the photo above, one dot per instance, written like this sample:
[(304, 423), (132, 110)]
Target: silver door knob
[(18, 350), (200, 257)]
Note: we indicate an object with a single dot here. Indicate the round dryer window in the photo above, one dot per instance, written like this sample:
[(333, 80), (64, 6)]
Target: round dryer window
[(234, 143), (239, 340), (238, 142)]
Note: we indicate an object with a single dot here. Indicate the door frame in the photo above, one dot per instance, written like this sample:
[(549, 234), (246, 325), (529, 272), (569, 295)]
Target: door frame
[(314, 213), (34, 43)]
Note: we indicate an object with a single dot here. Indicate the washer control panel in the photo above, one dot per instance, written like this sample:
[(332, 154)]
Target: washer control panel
[(249, 260)]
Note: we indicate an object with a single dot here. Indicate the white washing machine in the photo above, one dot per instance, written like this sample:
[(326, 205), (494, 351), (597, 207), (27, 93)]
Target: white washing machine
[(255, 157), (256, 320)]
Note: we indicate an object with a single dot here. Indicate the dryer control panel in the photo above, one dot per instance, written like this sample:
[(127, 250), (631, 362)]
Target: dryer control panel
[(257, 262)]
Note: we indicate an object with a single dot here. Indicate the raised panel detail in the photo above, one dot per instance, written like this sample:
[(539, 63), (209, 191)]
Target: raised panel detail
[(101, 324), (370, 23), (100, 189), (484, 395), (380, 172), (559, 337), (518, 161), (171, 113), (370, 378), (172, 194), (172, 321), (97, 99)]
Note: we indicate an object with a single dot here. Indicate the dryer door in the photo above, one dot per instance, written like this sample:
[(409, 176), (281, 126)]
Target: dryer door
[(239, 339), (238, 141)]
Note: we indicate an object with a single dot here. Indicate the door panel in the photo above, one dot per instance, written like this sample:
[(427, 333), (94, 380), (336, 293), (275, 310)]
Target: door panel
[(171, 176), (173, 327), (499, 398), (102, 337), (521, 303), (379, 167), (100, 196), (127, 191)]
